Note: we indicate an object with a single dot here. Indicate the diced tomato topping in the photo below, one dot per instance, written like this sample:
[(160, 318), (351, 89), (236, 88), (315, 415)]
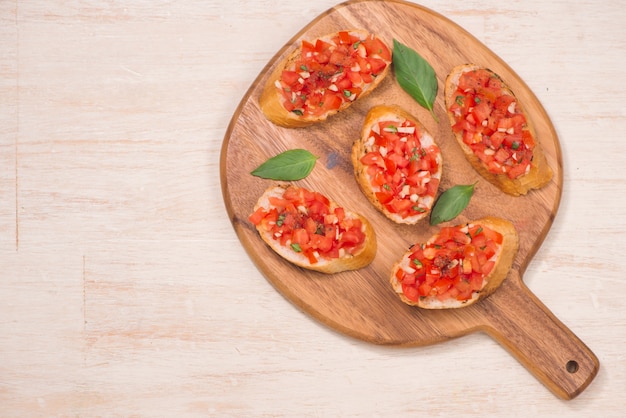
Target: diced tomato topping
[(305, 221), (376, 65), (502, 155), (401, 172), (384, 196), (344, 38), (278, 202), (329, 74), (410, 292), (257, 216), (375, 46), (452, 265), (492, 124), (481, 111), (503, 102)]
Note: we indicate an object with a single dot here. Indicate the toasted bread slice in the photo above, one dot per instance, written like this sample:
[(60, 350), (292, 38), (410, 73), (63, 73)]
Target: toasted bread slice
[(494, 131), (458, 266), (397, 164), (313, 232), (324, 76)]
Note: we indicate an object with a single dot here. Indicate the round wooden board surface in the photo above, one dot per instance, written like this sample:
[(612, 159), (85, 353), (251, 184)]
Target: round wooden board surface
[(361, 303)]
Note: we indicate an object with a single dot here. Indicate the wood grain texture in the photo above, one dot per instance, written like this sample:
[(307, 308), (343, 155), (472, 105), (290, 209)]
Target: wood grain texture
[(373, 312), (124, 289)]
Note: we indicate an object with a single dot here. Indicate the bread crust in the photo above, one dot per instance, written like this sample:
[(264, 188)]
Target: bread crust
[(540, 173), (359, 259), (503, 262), (271, 99), (393, 113)]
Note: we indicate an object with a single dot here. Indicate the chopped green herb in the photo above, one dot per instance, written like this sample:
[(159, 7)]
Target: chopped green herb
[(515, 145), (298, 112), (386, 186), (417, 263), (459, 100), (347, 93), (356, 45), (392, 129), (476, 99), (296, 247), (304, 68), (281, 219)]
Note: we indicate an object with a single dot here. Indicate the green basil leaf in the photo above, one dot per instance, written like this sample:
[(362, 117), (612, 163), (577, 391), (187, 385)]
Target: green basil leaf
[(415, 75), (290, 165), (451, 203)]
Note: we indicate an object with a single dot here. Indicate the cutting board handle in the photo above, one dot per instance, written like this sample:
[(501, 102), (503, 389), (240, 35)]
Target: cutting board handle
[(544, 345)]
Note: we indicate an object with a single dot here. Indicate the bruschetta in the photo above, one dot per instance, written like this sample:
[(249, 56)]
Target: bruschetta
[(311, 231), (397, 164), (494, 131), (324, 76), (458, 266)]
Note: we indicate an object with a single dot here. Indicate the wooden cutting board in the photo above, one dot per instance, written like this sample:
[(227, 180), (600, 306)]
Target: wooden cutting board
[(361, 303)]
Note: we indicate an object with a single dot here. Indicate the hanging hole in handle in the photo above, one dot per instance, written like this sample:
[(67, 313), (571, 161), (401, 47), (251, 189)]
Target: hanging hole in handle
[(572, 366)]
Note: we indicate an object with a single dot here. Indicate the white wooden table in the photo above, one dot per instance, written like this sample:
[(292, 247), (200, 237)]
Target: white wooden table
[(124, 290)]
